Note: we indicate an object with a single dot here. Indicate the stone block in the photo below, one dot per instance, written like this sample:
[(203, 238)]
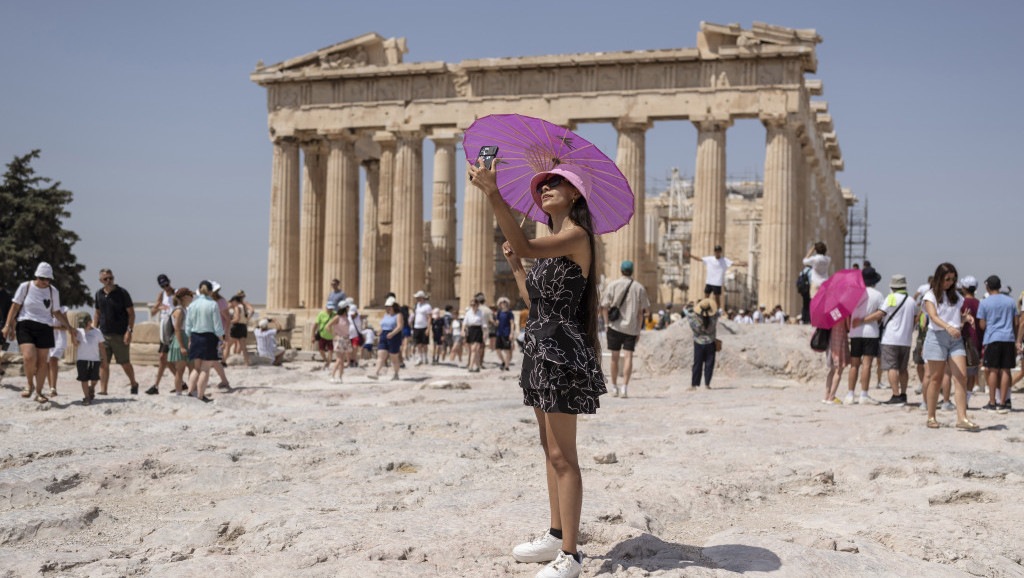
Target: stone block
[(146, 332), (284, 318), (145, 353)]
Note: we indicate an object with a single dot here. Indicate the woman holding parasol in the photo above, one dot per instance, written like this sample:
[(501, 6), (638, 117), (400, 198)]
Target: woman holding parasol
[(556, 178)]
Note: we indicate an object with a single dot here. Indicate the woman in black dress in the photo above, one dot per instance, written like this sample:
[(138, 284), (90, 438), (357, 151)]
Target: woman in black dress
[(561, 376)]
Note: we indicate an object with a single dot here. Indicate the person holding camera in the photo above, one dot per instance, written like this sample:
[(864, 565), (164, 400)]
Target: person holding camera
[(623, 306)]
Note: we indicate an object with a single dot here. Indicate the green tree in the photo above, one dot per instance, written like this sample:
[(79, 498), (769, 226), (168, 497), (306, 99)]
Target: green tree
[(32, 212)]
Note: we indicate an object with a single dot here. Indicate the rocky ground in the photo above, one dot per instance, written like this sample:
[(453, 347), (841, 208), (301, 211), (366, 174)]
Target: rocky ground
[(440, 474)]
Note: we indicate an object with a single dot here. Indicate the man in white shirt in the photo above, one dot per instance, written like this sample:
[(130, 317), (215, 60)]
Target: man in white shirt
[(819, 262), (420, 326), (899, 317), (266, 341), (865, 340), (758, 316), (715, 267)]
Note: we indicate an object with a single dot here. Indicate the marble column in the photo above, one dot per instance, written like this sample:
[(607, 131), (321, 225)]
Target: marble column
[(283, 254), (311, 239), (629, 242), (708, 200), (368, 290), (779, 258), (385, 208), (341, 224), (407, 217), (477, 247), (442, 222)]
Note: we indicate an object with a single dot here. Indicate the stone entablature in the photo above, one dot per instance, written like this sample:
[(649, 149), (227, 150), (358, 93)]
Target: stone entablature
[(361, 89)]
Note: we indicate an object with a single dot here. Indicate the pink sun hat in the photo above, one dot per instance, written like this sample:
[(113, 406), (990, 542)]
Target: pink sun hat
[(575, 175)]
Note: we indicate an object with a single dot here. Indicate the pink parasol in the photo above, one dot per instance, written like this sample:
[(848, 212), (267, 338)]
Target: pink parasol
[(527, 146), (836, 298)]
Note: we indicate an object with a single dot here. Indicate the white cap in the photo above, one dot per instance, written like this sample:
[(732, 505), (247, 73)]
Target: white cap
[(350, 301), (263, 323), (419, 294), (44, 270), (391, 302), (216, 286)]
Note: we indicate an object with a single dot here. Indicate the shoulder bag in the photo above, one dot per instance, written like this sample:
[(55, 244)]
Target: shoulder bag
[(614, 314)]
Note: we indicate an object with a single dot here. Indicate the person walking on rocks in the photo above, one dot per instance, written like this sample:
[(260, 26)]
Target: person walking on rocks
[(474, 329), (322, 337), (943, 345), (624, 305), (865, 340), (161, 310), (60, 345), (838, 357), (420, 327), (970, 330), (561, 375), (335, 295), (389, 343), (204, 326), (239, 331), (899, 317), (998, 318), (115, 316), (90, 354), (177, 354), (339, 327), (505, 321), (819, 262), (34, 307), (704, 325)]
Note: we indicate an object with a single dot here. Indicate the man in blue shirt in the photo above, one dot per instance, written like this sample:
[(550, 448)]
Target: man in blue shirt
[(997, 317)]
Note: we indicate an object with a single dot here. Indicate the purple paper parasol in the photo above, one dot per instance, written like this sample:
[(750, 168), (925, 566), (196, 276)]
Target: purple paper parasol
[(527, 146)]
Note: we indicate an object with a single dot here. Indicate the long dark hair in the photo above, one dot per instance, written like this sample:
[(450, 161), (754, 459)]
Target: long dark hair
[(939, 278), (579, 214)]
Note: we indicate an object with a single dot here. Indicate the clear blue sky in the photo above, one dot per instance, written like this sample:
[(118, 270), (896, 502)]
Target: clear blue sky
[(146, 112)]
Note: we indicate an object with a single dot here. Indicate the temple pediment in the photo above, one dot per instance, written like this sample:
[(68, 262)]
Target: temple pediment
[(370, 49), (733, 41)]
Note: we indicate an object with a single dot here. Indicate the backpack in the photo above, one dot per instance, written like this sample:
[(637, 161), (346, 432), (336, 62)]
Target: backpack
[(803, 281), (820, 339)]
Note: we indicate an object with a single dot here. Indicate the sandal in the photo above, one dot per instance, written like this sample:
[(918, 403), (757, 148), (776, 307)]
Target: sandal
[(53, 393), (26, 393), (42, 398), (967, 425), (932, 423), (86, 401)]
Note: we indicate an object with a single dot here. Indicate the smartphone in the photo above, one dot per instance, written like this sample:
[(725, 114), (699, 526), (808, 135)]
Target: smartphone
[(488, 154)]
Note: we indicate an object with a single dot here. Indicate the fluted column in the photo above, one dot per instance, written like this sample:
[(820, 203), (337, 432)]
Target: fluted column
[(407, 217), (442, 222), (341, 225), (283, 254), (368, 290), (708, 199), (311, 235), (779, 256), (385, 208), (477, 246), (629, 242)]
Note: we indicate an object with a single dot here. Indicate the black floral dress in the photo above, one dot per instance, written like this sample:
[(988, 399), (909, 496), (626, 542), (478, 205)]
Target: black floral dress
[(560, 369)]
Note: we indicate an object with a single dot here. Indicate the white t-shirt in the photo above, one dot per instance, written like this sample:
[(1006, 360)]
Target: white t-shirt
[(920, 293), (899, 327), (716, 270), (758, 317), (89, 344), (354, 325), (421, 317), (948, 312), (36, 303), (819, 265), (474, 317), (779, 317), (369, 337), (266, 342), (869, 303)]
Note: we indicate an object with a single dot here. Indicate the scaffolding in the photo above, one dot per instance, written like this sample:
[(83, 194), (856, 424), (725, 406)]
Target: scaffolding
[(856, 234)]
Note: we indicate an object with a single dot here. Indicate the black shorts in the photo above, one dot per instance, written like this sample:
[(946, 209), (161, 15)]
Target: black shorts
[(1001, 355), (865, 346), (35, 333), (164, 348), (503, 342), (618, 341), (88, 370), (419, 336), (474, 334), (492, 333), (712, 289), (239, 331), (202, 346)]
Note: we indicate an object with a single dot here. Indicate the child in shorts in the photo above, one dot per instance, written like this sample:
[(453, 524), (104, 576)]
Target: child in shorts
[(90, 356)]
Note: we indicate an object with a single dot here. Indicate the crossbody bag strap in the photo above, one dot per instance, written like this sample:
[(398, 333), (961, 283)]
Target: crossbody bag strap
[(624, 293), (897, 310), (51, 301)]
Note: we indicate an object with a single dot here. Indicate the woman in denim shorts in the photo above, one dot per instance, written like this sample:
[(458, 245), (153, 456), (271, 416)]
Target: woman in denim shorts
[(944, 346)]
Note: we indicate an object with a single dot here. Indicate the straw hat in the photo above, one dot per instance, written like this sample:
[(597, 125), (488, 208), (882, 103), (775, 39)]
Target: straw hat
[(705, 307)]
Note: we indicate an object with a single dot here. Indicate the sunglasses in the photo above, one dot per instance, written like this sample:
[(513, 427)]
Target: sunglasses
[(550, 182)]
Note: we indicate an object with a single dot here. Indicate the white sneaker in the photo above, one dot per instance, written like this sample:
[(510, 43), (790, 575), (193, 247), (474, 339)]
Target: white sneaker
[(923, 406), (623, 393), (947, 406), (866, 399), (543, 548), (917, 390), (882, 385), (848, 400), (615, 391), (565, 566)]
